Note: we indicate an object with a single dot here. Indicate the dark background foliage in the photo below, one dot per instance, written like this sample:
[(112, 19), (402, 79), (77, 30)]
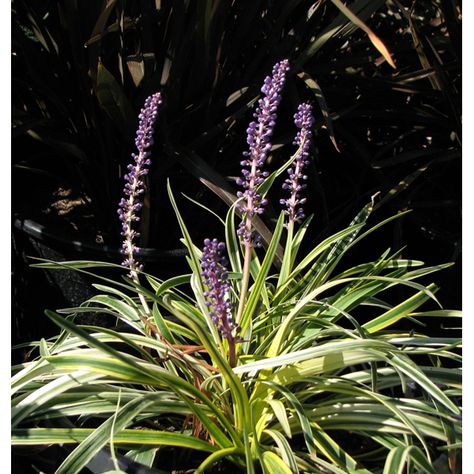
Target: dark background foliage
[(82, 70)]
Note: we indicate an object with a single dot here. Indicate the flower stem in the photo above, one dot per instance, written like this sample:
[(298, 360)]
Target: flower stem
[(245, 281), (232, 352)]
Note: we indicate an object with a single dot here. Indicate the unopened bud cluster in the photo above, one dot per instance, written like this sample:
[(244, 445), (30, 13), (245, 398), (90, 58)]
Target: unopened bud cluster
[(294, 183), (215, 277)]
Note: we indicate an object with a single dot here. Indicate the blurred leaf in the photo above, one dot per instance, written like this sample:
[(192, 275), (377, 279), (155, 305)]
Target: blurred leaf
[(44, 350), (401, 186), (318, 93), (42, 34), (66, 147), (113, 101), (417, 43), (102, 20), (235, 96), (340, 27), (137, 70), (22, 123), (435, 155), (372, 36)]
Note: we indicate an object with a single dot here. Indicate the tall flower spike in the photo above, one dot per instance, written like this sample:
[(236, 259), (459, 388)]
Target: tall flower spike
[(258, 139), (214, 273), (131, 204), (304, 121)]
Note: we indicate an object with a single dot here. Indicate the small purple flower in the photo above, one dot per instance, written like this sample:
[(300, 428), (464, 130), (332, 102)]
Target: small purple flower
[(304, 121), (214, 271), (130, 205), (258, 139)]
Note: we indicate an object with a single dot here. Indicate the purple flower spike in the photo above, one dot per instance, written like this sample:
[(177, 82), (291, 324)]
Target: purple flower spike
[(258, 139), (214, 273), (130, 205), (304, 121)]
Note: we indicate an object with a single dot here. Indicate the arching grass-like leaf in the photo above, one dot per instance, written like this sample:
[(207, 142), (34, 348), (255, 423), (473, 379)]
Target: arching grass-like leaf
[(256, 289), (399, 456), (409, 368), (87, 449), (233, 248), (272, 463), (194, 259), (279, 410), (50, 390), (372, 36), (285, 450), (312, 433), (127, 437), (400, 311), (216, 456)]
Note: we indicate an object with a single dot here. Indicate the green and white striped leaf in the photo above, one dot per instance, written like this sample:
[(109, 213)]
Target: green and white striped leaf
[(400, 311), (96, 440), (256, 290), (398, 457), (280, 412), (286, 451), (126, 437), (274, 464)]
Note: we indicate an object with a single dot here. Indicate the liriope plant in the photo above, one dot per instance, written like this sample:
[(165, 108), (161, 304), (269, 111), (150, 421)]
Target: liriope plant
[(263, 356)]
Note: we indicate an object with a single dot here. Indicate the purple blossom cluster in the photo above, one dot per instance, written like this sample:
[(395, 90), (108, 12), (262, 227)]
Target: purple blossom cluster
[(131, 204), (214, 271), (258, 139), (304, 121)]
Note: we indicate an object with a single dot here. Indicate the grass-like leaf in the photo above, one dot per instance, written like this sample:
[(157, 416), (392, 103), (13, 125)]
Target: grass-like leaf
[(274, 464), (99, 437), (398, 458), (127, 437), (256, 289)]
